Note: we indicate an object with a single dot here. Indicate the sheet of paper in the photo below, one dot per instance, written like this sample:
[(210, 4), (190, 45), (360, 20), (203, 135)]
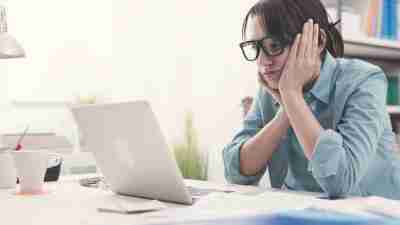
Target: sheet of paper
[(362, 206), (382, 206), (123, 206), (267, 201), (232, 205)]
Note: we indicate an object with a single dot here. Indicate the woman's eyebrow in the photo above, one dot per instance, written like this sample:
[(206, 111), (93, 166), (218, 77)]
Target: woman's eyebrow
[(263, 37)]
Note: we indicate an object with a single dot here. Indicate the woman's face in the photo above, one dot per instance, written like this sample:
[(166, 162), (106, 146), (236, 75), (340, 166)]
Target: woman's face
[(269, 67)]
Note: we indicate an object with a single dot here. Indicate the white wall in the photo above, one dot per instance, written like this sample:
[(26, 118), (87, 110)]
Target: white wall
[(180, 55), (68, 44), (69, 51), (184, 55)]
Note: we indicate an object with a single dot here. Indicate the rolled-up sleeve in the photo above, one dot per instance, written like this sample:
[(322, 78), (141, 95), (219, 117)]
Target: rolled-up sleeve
[(252, 123), (341, 156)]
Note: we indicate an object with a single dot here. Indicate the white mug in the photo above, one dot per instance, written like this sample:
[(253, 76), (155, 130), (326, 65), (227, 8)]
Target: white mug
[(8, 173), (31, 166)]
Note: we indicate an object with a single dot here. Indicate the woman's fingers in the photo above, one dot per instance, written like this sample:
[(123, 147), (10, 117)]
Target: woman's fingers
[(315, 48), (305, 40), (310, 40), (293, 51)]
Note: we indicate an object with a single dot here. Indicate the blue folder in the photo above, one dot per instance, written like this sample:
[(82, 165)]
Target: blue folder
[(299, 217), (389, 20), (393, 20), (385, 32)]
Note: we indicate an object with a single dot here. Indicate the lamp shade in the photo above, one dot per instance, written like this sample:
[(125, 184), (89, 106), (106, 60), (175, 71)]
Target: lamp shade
[(9, 47)]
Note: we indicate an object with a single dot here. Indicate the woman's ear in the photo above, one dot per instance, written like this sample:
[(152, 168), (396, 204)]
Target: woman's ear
[(322, 43)]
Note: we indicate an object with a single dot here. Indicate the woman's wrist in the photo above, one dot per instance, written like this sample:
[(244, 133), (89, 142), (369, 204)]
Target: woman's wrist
[(282, 118), (290, 94)]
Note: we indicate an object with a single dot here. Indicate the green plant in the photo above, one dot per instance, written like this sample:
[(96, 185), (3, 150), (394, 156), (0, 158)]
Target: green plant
[(187, 154)]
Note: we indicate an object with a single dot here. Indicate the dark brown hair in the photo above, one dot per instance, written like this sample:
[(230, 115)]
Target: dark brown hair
[(284, 19)]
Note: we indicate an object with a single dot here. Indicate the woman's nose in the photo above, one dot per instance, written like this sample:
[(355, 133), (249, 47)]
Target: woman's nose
[(263, 59)]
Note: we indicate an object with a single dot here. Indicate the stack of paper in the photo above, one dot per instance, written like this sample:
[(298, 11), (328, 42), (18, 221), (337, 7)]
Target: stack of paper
[(266, 202), (373, 206), (382, 19)]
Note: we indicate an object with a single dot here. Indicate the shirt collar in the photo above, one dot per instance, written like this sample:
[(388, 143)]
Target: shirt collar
[(321, 88)]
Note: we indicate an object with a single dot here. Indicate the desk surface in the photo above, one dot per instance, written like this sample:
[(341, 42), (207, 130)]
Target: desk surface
[(69, 203)]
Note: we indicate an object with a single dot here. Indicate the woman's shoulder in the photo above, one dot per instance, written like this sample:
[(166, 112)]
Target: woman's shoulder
[(351, 73), (358, 67), (354, 75)]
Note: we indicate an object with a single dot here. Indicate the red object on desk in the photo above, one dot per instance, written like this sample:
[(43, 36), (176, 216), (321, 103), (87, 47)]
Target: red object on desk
[(18, 148)]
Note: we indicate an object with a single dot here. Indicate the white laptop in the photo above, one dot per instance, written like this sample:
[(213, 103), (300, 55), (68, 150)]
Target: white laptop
[(131, 151)]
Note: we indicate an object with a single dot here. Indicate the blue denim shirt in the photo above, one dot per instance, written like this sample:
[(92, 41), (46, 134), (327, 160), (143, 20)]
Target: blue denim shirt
[(355, 152)]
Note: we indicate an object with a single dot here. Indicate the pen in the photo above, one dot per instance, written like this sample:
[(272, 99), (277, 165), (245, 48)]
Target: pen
[(19, 146)]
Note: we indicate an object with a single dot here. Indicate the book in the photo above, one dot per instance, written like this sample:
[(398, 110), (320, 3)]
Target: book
[(384, 34), (379, 10), (398, 20), (299, 217), (392, 97), (371, 18), (393, 19)]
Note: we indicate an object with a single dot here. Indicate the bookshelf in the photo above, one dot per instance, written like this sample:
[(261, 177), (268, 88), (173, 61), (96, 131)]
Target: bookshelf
[(385, 53), (359, 45), (372, 48), (394, 109)]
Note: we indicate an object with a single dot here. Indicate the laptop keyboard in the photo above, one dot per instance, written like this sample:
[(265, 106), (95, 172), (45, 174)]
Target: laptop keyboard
[(91, 182), (194, 191)]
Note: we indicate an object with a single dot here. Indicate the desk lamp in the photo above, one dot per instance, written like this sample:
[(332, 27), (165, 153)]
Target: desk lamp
[(9, 47)]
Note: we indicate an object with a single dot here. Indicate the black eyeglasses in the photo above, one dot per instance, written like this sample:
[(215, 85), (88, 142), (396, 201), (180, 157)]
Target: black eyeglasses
[(270, 46)]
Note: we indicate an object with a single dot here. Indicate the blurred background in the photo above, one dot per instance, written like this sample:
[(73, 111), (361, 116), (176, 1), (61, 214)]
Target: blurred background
[(182, 56)]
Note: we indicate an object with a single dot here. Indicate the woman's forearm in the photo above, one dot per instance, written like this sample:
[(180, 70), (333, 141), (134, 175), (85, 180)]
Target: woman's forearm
[(257, 151), (304, 124)]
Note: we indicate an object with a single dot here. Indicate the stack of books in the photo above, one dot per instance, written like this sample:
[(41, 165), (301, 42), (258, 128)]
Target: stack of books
[(382, 19), (393, 90), (299, 217)]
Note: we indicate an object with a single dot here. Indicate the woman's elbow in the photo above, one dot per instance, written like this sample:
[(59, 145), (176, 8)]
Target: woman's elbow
[(337, 186)]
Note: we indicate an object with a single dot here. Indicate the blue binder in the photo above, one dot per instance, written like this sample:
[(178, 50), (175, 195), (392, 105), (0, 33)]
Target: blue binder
[(385, 32), (393, 20), (299, 217), (389, 20)]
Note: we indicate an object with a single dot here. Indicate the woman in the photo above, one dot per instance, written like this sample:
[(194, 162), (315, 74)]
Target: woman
[(319, 122)]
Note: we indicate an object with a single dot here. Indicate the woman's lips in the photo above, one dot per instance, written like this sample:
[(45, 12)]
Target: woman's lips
[(274, 75)]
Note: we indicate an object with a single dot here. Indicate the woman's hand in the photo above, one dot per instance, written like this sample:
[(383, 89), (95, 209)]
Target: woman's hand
[(300, 71), (274, 93), (303, 65), (281, 115)]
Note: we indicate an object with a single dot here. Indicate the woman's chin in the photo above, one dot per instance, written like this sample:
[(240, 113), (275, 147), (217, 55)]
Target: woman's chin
[(273, 85)]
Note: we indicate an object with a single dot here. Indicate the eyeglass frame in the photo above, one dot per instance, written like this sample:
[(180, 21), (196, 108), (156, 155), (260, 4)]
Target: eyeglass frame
[(259, 45)]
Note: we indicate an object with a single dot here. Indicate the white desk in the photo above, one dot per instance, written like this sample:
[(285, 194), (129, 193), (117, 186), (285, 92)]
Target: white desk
[(69, 203)]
